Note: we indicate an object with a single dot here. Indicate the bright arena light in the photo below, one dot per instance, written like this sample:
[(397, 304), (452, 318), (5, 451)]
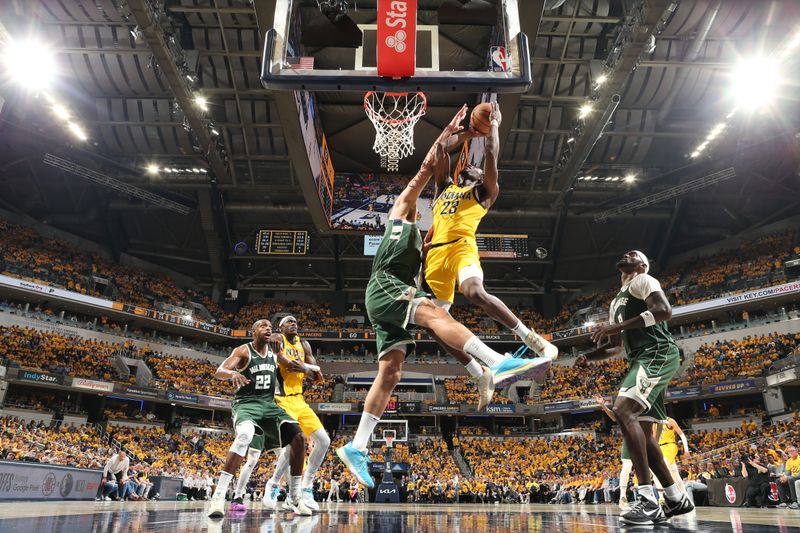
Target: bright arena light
[(630, 178), (77, 131), (152, 168), (30, 63), (585, 110), (601, 80), (201, 102), (755, 82), (61, 112)]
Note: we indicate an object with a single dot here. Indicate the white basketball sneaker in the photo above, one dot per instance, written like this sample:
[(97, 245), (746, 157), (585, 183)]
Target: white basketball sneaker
[(308, 499), (542, 347), (485, 385), (271, 493)]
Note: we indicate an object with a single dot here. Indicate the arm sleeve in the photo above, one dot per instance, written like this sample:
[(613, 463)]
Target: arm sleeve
[(643, 286)]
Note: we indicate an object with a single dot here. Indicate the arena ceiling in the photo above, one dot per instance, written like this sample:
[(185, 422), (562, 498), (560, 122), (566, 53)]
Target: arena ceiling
[(118, 73)]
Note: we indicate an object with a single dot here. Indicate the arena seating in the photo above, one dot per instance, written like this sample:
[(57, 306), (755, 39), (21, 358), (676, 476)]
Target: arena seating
[(748, 357), (461, 390), (572, 383)]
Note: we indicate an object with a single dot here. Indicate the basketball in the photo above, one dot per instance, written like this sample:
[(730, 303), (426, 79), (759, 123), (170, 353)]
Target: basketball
[(479, 119)]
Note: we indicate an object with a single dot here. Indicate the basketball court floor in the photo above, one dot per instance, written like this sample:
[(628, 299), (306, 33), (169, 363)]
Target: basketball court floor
[(189, 517)]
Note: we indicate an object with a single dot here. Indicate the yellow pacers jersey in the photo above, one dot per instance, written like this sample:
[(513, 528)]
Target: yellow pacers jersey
[(667, 436), (292, 381), (669, 448), (456, 214)]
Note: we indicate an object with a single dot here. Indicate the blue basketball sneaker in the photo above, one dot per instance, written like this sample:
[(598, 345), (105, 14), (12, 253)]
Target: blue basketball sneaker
[(357, 462), (512, 369)]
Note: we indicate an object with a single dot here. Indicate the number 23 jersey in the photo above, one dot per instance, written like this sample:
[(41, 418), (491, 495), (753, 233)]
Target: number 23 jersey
[(456, 214), (262, 373)]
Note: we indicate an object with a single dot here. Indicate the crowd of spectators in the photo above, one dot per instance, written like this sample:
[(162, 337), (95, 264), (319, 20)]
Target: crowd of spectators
[(187, 374), (732, 359), (462, 390), (58, 354), (573, 383)]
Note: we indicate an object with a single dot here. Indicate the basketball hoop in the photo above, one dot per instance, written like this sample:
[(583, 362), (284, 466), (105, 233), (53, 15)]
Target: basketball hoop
[(389, 441), (389, 436), (394, 116)]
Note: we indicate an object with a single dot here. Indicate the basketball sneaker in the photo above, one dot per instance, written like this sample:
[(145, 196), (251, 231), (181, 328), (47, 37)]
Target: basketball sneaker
[(643, 512), (308, 499), (538, 344), (510, 370), (682, 506), (485, 385), (271, 493), (357, 462), (297, 507), (216, 508), (237, 505)]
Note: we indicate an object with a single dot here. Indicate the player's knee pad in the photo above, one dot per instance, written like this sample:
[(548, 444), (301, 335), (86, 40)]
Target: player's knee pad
[(253, 455), (321, 439), (244, 434)]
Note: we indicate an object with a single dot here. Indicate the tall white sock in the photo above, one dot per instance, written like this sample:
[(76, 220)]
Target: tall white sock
[(321, 442), (222, 485), (246, 472), (474, 368), (281, 466), (364, 432), (477, 349), (648, 492), (624, 476), (521, 330), (294, 487)]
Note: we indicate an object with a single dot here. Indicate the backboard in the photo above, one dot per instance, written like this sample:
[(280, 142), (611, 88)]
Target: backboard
[(386, 427), (472, 48)]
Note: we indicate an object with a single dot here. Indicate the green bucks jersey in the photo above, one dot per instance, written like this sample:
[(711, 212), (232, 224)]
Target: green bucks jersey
[(400, 252), (630, 302), (263, 375)]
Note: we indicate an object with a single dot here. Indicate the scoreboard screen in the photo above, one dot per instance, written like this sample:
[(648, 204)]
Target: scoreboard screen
[(282, 242), (500, 245)]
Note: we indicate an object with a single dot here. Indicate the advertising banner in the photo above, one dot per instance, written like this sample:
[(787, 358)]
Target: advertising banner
[(334, 407), (501, 408), (409, 407), (41, 377), (213, 401), (732, 386), (558, 406), (147, 392), (178, 396), (683, 392), (36, 481), (443, 409), (758, 294), (90, 384), (55, 291)]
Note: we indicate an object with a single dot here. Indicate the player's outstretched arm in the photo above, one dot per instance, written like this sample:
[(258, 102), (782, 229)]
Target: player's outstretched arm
[(491, 187), (229, 368), (405, 208)]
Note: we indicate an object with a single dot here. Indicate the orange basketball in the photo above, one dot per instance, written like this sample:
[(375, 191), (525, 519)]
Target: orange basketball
[(479, 119)]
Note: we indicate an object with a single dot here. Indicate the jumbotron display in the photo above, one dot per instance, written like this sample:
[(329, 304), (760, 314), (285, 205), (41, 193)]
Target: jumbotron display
[(282, 242)]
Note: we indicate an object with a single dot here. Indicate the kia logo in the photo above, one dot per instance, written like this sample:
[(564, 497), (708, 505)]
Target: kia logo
[(386, 491)]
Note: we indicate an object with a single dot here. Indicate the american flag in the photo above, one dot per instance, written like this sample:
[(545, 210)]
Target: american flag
[(301, 63)]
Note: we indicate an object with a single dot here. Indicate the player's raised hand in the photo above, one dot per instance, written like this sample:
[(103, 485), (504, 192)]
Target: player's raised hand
[(495, 113), (275, 343), (455, 124)]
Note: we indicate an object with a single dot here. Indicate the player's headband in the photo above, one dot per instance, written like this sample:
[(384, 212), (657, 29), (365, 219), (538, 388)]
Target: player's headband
[(643, 259), (284, 319)]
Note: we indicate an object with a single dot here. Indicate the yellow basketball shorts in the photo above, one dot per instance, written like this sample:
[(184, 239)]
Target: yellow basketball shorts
[(446, 264), (670, 452), (296, 407)]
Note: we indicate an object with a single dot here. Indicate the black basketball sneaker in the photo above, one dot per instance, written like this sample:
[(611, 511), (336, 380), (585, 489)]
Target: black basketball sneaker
[(682, 506), (643, 512)]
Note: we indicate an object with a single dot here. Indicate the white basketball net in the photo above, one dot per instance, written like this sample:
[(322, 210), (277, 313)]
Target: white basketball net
[(394, 116)]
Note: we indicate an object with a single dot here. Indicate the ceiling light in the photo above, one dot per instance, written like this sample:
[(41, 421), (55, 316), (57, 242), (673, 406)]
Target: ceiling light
[(601, 80), (61, 112), (609, 178), (584, 110), (201, 102), (755, 82), (30, 63), (571, 140), (168, 170), (630, 178), (695, 153), (152, 168), (77, 131), (204, 171), (615, 178), (214, 132)]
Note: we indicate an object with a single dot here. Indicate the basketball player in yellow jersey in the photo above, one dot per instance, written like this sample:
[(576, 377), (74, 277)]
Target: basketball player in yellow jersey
[(301, 360), (453, 253), (669, 448)]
